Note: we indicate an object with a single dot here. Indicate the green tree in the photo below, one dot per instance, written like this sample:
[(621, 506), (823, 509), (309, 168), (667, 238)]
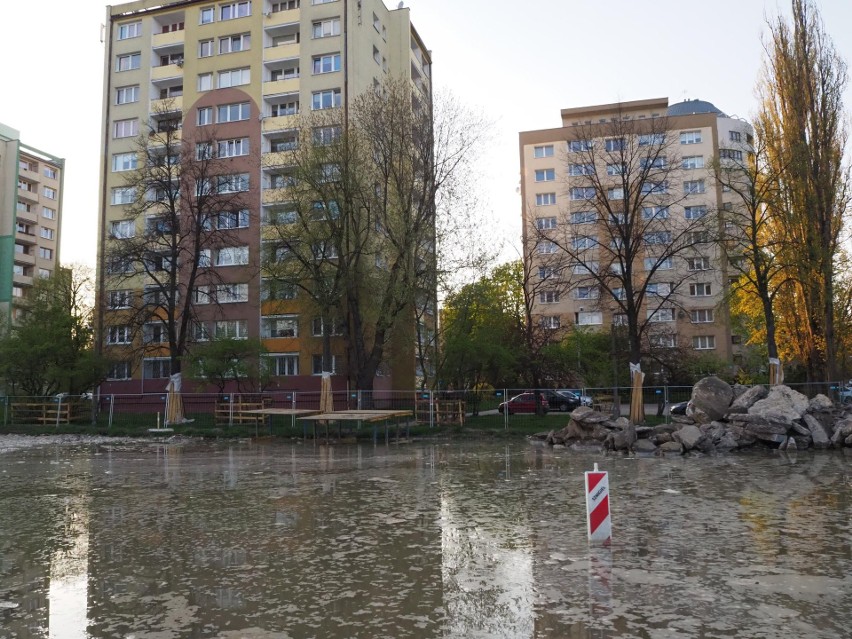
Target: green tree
[(231, 361)]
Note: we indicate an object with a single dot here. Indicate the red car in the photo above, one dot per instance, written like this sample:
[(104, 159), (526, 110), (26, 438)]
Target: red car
[(523, 403)]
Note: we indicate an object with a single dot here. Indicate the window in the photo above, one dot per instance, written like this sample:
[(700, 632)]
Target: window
[(201, 295), (325, 99), (700, 289), (326, 28), (699, 237), (125, 128), (286, 5), (17, 291), (701, 316), (584, 217), (586, 268), (618, 168), (581, 169), (154, 333), (582, 192), (26, 165), (690, 137), (207, 15), (692, 162), (156, 368), (575, 146), (119, 370), (619, 319), (126, 95), (615, 194), (200, 332), (120, 299), (663, 340), (650, 188), (659, 289), (545, 175), (698, 263), (231, 293), (118, 335), (205, 81), (129, 30), (317, 327), (50, 193), (545, 223), (233, 219), (233, 148), (731, 154), (586, 293), (692, 187), (661, 315), (284, 365), (316, 364), (735, 136), (128, 62), (545, 199), (234, 78), (322, 1), (232, 183), (124, 162), (584, 242), (694, 212), (205, 48), (46, 233), (234, 112), (205, 116), (326, 63), (546, 247), (649, 139), (704, 342), (550, 322), (48, 213), (545, 151), (614, 144), (279, 326), (546, 271), (589, 318), (23, 206), (50, 172), (323, 135), (235, 43), (271, 289), (548, 297), (232, 256), (231, 329), (661, 264), (234, 10), (619, 294), (284, 108), (655, 212), (653, 163)]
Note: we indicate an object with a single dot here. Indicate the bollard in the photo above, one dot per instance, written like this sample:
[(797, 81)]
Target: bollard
[(597, 506)]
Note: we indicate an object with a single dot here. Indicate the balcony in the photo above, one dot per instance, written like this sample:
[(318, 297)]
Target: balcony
[(25, 258), (166, 72), (32, 176), (22, 280), (25, 238), (29, 196), (280, 18), (281, 52), (26, 216), (167, 106), (275, 195), (290, 85), (276, 159), (279, 123), (173, 38)]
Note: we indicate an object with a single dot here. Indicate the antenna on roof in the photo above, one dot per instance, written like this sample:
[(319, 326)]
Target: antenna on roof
[(400, 5)]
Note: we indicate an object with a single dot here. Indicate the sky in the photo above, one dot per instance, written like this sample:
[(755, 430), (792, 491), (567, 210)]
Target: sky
[(517, 63)]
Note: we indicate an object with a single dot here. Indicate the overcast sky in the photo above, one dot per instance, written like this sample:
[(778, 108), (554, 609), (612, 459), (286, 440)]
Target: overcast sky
[(520, 63)]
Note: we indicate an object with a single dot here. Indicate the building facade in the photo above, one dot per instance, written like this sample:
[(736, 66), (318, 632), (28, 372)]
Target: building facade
[(626, 192), (245, 70), (30, 216)]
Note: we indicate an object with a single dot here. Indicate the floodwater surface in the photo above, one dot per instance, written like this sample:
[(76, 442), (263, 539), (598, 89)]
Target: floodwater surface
[(467, 540)]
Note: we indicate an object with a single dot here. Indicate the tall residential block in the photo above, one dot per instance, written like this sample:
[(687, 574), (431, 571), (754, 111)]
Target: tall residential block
[(241, 71), (30, 214), (576, 183)]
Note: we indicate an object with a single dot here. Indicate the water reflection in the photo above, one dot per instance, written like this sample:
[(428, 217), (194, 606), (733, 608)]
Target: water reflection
[(422, 541)]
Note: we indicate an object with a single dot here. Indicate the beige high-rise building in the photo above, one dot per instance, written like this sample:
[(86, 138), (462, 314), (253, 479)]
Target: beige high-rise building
[(30, 214), (245, 68), (573, 183)]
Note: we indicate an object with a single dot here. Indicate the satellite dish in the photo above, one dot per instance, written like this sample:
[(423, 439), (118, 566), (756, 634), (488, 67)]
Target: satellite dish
[(400, 5)]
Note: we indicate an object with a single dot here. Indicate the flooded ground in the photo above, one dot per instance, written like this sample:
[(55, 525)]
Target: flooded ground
[(422, 540)]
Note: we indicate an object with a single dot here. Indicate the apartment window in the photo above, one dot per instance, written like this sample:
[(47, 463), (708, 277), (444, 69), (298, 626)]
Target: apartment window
[(694, 212), (657, 139), (546, 271), (205, 116), (659, 289), (545, 175), (693, 187), (284, 365), (119, 370), (235, 43), (18, 291), (619, 294), (232, 256), (589, 318), (154, 333), (232, 183), (129, 30), (699, 237), (322, 1), (550, 322), (615, 194), (735, 136), (23, 207), (279, 326), (231, 329), (326, 134), (663, 340), (701, 316), (655, 212), (48, 213), (271, 289), (586, 268), (325, 99), (284, 108), (545, 151), (619, 319), (581, 169), (124, 162), (700, 289), (582, 193), (205, 48), (120, 299), (731, 154), (233, 148), (287, 5), (326, 63), (234, 10), (586, 293), (234, 112), (576, 146), (26, 165), (207, 15), (690, 137), (125, 128), (698, 263), (704, 342), (231, 293), (47, 233), (156, 368), (584, 242), (584, 217), (233, 219), (548, 297), (205, 81), (651, 188), (201, 295), (546, 247), (128, 62), (692, 162), (653, 163), (51, 193), (377, 57), (661, 315), (326, 28), (119, 335), (126, 95), (50, 172), (661, 264), (200, 332), (545, 223), (170, 92), (545, 199), (615, 169), (234, 78)]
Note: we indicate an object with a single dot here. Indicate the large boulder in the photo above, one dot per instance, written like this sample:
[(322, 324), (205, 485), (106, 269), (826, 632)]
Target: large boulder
[(689, 436), (818, 434), (644, 447), (586, 415), (820, 403), (747, 399), (674, 448), (782, 400), (712, 397)]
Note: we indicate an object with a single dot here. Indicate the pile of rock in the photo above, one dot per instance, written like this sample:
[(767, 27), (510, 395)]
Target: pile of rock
[(719, 417)]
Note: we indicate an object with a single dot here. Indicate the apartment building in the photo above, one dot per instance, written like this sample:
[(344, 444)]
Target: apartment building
[(646, 165), (30, 214), (245, 69)]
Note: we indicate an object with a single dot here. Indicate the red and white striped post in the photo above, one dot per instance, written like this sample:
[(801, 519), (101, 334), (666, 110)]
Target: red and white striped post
[(597, 505)]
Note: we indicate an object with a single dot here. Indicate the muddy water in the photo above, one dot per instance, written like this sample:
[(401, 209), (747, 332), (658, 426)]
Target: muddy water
[(423, 540)]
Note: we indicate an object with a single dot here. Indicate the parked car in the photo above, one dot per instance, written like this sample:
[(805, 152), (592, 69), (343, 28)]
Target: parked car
[(844, 395), (585, 400), (562, 400), (678, 409), (523, 403)]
